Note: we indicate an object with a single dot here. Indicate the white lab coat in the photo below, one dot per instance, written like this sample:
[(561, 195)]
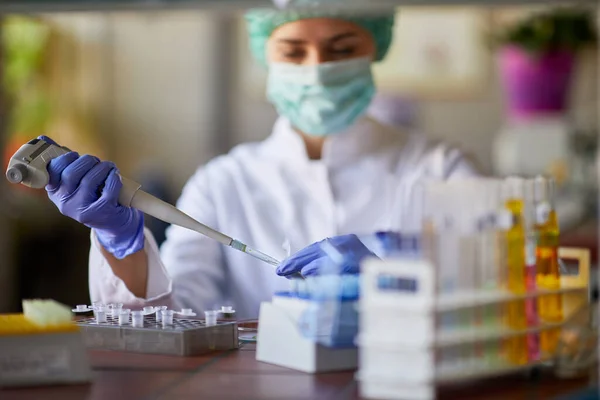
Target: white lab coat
[(266, 193)]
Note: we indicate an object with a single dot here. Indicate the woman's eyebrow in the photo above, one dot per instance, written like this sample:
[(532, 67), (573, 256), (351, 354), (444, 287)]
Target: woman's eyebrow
[(291, 41), (335, 38), (342, 36)]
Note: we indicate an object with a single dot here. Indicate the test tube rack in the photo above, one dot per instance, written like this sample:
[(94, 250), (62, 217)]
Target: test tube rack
[(185, 337), (405, 349)]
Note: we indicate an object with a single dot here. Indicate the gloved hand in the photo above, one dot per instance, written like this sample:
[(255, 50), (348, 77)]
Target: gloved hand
[(311, 259), (87, 190)]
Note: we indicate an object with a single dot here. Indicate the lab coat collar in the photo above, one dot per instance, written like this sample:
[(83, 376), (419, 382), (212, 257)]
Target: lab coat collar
[(362, 138)]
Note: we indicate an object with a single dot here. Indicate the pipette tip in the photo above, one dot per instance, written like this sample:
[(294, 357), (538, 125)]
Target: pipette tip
[(236, 244)]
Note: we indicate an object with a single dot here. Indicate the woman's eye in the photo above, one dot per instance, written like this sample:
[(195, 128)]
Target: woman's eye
[(293, 54), (344, 51)]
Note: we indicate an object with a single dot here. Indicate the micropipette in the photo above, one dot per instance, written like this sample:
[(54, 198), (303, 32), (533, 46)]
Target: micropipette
[(28, 167)]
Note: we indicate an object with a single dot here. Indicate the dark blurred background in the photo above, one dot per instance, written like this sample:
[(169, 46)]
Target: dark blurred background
[(162, 92)]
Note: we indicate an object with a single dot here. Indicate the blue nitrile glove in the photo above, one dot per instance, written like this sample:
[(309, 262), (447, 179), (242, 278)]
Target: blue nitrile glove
[(311, 259), (87, 190)]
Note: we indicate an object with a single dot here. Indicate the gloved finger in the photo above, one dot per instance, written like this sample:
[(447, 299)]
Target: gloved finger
[(346, 243), (313, 267), (298, 260), (47, 140), (96, 177), (112, 188), (349, 246), (74, 173), (55, 168)]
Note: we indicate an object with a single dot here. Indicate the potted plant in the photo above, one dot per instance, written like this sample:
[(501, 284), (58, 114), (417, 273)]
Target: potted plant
[(537, 58)]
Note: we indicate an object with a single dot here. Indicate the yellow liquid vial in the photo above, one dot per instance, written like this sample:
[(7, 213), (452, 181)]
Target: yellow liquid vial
[(516, 348), (548, 277)]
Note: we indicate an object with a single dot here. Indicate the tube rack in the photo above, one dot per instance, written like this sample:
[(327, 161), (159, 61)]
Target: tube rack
[(407, 348), (185, 337)]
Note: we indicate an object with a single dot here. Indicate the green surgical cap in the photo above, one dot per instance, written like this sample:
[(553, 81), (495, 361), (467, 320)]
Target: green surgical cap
[(262, 22)]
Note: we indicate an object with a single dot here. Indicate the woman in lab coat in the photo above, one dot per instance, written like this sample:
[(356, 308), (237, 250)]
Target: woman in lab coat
[(326, 170)]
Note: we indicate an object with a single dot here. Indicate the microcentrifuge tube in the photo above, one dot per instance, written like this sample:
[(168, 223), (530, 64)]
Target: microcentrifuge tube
[(167, 317), (148, 310), (210, 317), (81, 308), (124, 316), (95, 306), (187, 312), (137, 319), (228, 312), (159, 310), (100, 315)]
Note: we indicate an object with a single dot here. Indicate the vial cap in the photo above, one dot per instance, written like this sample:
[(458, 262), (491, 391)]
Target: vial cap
[(541, 188)]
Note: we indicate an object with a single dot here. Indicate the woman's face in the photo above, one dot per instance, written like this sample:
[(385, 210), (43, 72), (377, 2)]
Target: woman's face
[(318, 40)]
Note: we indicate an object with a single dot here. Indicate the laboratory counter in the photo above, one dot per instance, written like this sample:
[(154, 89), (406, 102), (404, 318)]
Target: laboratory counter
[(236, 374)]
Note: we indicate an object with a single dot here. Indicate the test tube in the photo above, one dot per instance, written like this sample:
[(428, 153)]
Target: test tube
[(548, 274), (137, 319), (302, 289), (514, 193), (159, 311), (499, 219), (81, 308), (531, 306), (124, 316), (466, 267), (210, 317), (495, 243), (100, 312), (167, 317)]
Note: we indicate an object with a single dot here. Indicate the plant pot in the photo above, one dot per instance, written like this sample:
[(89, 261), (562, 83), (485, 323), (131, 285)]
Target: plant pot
[(535, 84)]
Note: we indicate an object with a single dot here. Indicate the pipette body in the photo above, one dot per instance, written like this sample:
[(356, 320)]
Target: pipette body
[(28, 167)]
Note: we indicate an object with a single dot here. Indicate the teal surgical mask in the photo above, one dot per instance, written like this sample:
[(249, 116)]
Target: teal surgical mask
[(321, 99)]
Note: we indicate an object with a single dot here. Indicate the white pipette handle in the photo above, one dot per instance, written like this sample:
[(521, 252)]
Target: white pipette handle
[(164, 211), (128, 191)]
